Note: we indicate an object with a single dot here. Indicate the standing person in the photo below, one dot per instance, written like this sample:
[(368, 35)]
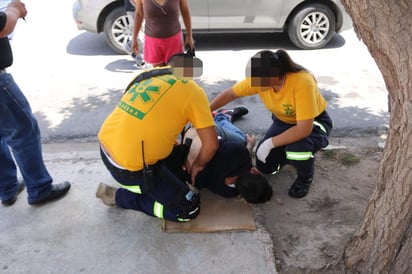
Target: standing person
[(300, 123), (141, 132), (19, 130), (163, 33)]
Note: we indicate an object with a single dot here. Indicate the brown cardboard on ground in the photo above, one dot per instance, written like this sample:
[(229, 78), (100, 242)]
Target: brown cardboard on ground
[(216, 214)]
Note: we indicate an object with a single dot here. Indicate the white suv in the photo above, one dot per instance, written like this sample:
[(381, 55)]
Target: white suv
[(310, 24)]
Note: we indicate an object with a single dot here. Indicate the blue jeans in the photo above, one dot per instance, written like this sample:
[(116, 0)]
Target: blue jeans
[(227, 131), (20, 132)]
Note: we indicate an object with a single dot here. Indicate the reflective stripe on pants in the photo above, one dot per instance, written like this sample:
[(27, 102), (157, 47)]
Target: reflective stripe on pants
[(135, 189), (320, 126), (158, 210), (299, 156)]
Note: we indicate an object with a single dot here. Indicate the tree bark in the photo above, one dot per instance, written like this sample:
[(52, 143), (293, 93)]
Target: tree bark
[(382, 243)]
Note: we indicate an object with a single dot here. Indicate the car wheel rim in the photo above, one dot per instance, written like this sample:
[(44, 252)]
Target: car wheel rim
[(122, 30), (314, 28)]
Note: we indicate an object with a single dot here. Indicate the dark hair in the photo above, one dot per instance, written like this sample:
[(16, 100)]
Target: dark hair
[(254, 188), (267, 63), (287, 62)]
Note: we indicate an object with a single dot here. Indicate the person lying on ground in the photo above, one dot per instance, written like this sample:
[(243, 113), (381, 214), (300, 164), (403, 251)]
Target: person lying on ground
[(230, 172)]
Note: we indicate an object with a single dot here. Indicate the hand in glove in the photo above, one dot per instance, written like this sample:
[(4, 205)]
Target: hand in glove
[(264, 149)]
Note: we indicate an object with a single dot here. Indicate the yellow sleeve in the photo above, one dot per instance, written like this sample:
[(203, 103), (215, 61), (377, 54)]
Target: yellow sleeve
[(198, 109), (244, 88)]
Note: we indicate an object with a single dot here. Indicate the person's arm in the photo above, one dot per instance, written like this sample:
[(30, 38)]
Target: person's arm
[(210, 144), (137, 25), (184, 10), (194, 147), (14, 11), (223, 98)]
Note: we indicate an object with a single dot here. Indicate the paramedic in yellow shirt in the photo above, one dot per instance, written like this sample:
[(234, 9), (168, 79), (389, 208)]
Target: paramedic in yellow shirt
[(300, 123), (140, 133)]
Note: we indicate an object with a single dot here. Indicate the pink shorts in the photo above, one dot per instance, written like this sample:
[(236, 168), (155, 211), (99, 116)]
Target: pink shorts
[(159, 50)]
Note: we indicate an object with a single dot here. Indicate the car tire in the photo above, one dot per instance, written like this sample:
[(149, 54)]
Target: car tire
[(118, 30), (312, 26)]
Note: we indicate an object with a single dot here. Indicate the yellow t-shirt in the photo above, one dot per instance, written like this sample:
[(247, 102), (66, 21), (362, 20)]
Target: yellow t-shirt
[(299, 99), (155, 111)]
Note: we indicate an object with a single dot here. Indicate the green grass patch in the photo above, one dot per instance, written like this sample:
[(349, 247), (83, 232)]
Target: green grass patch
[(345, 158), (349, 159), (330, 154)]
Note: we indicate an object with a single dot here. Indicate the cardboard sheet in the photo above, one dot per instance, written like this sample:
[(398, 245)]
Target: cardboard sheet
[(216, 214)]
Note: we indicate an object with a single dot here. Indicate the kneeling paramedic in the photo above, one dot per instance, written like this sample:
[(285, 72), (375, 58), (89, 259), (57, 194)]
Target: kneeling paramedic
[(140, 133)]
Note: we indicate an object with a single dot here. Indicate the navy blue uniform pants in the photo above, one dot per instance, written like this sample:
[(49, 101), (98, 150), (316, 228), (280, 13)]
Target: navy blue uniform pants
[(299, 154), (170, 198)]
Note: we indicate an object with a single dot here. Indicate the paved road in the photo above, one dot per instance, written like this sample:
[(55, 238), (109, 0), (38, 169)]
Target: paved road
[(73, 79)]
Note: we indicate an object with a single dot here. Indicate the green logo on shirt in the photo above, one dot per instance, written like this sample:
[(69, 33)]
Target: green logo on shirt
[(143, 91), (288, 110), (148, 93)]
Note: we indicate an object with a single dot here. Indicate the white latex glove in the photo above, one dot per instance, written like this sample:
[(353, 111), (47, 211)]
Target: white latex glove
[(264, 149)]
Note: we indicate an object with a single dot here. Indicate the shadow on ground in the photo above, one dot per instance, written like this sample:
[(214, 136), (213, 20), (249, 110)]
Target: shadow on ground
[(83, 116), (92, 44)]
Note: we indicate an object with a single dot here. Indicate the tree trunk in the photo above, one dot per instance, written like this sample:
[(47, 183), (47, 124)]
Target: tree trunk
[(383, 243)]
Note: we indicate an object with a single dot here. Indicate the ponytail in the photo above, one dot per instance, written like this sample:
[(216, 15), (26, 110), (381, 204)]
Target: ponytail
[(287, 62)]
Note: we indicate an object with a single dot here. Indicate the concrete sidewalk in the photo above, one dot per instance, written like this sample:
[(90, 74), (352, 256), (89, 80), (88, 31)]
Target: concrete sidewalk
[(79, 234)]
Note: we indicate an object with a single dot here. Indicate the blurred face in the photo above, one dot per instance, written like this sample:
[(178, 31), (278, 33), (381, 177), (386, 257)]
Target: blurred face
[(260, 73), (186, 67), (263, 81)]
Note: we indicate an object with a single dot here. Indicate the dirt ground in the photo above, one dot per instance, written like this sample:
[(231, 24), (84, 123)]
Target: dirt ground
[(309, 234)]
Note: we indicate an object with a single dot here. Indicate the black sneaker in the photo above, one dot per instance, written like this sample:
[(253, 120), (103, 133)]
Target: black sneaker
[(235, 113), (239, 112), (13, 199), (300, 188)]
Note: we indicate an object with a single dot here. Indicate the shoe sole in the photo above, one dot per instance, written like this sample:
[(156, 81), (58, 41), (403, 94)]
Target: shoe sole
[(100, 191), (100, 194)]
